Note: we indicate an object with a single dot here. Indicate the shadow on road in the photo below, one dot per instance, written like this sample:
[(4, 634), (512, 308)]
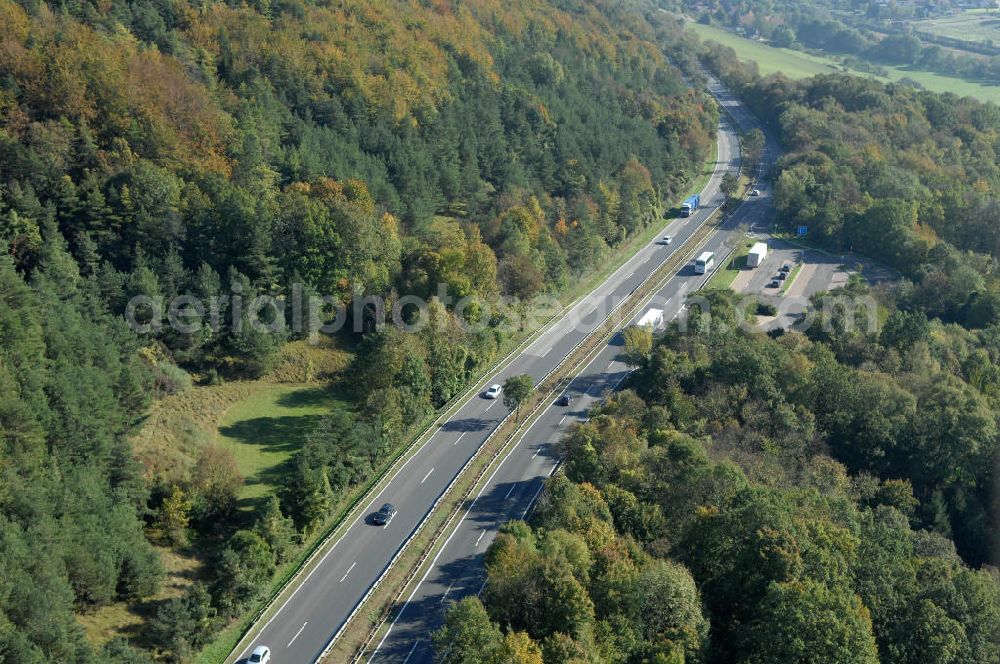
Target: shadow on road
[(467, 424)]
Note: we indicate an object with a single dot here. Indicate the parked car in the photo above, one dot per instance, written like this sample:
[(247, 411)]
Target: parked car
[(786, 268), (782, 275), (384, 515), (260, 655), (563, 400), (774, 283), (493, 391)]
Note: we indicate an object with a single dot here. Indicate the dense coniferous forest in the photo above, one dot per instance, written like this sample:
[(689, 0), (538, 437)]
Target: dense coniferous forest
[(156, 148)]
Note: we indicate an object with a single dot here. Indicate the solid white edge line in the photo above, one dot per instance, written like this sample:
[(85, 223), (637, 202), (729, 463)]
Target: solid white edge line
[(444, 546), (434, 562)]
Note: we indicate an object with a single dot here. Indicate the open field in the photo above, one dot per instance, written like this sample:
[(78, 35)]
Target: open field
[(261, 422), (792, 63), (264, 430), (974, 25), (798, 64), (177, 428)]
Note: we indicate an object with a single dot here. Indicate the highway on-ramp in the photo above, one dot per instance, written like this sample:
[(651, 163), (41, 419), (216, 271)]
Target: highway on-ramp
[(318, 608), (457, 570)]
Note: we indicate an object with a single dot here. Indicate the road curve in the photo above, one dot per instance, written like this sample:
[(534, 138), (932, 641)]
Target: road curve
[(457, 570), (319, 606)]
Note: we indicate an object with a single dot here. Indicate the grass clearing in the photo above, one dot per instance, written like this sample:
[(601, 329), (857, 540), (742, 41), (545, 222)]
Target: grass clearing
[(177, 428), (974, 25), (122, 619), (791, 63), (799, 64), (724, 276), (264, 430), (261, 422)]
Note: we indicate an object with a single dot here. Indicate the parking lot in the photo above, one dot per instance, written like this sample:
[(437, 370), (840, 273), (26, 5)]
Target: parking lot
[(819, 272)]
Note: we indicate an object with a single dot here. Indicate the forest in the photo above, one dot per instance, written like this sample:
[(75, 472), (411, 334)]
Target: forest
[(157, 149), (824, 496), (909, 177), (758, 499)]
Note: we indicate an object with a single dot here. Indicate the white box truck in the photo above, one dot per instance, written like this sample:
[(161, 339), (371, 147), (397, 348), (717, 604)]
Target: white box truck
[(653, 318), (758, 252)]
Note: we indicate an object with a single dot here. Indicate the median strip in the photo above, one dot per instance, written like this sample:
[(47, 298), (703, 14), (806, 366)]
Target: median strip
[(325, 545), (405, 569)]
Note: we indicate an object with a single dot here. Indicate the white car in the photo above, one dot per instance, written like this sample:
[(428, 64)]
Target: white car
[(493, 392), (755, 192), (667, 239), (260, 655)]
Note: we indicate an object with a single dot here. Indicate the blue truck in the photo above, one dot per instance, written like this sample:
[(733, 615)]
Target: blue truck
[(690, 204)]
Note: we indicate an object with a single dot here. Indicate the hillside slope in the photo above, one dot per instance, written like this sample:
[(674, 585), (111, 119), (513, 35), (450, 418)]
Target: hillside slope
[(156, 148)]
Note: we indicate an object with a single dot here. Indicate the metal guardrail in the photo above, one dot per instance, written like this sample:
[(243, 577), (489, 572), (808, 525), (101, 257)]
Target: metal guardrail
[(589, 337), (665, 273), (661, 275), (379, 483), (404, 455)]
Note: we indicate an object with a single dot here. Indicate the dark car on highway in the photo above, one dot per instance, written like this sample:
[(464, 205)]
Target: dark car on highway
[(563, 400), (384, 515)]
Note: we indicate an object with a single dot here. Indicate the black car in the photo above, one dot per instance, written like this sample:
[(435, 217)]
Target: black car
[(786, 268), (384, 515), (782, 275), (775, 283), (563, 400)]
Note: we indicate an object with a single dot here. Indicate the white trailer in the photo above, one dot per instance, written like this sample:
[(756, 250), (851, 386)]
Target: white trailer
[(758, 252), (653, 318)]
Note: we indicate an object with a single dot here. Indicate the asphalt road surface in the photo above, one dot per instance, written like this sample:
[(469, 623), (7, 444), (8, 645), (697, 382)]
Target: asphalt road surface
[(311, 617), (457, 570)]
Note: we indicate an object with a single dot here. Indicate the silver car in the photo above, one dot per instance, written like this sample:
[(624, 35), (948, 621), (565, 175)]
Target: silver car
[(260, 655)]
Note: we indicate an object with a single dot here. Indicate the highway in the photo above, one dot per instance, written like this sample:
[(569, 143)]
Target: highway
[(457, 570), (313, 615)]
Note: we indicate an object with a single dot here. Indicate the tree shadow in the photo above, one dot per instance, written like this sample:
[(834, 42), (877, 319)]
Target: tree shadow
[(278, 435), (311, 397), (467, 424), (463, 577)]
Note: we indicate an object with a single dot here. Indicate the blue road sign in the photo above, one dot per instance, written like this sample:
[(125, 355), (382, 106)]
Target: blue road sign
[(803, 230)]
